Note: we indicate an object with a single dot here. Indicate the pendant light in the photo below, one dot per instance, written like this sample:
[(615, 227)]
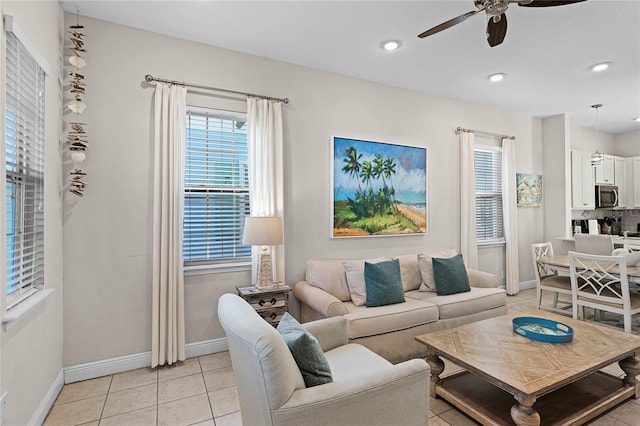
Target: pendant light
[(597, 158)]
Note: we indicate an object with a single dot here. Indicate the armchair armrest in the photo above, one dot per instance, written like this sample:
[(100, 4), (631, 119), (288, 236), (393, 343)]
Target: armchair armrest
[(482, 279), (330, 332), (398, 395), (319, 300)]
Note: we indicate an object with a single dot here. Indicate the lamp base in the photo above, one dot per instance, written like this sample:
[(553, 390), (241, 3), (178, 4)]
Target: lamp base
[(264, 275)]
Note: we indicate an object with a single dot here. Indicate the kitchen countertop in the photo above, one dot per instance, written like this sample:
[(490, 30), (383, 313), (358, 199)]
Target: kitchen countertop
[(616, 239)]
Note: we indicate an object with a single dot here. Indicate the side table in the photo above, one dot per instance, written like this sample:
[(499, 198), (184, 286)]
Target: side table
[(270, 303)]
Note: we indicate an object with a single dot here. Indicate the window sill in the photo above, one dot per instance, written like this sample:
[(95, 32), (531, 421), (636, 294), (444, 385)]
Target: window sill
[(22, 309), (489, 244), (218, 268)]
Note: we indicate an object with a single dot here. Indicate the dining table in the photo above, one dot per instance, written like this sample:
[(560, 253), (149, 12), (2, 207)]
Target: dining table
[(561, 264)]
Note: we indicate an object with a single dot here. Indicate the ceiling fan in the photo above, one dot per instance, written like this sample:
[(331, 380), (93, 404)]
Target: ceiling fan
[(495, 10)]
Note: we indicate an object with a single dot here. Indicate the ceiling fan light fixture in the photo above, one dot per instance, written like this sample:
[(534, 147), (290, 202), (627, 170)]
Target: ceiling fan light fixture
[(600, 67), (391, 45), (494, 78)]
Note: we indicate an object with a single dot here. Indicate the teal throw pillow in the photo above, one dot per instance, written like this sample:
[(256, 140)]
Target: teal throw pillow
[(450, 275), (383, 283), (306, 350)]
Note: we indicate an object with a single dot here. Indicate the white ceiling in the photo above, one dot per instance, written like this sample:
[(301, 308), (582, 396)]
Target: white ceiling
[(546, 54)]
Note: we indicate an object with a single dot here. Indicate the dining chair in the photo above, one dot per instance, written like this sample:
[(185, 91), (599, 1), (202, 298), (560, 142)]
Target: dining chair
[(548, 278), (594, 244), (601, 283)]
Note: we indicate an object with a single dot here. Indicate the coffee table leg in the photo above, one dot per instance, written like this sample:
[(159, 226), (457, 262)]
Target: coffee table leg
[(437, 367), (523, 413), (631, 366)]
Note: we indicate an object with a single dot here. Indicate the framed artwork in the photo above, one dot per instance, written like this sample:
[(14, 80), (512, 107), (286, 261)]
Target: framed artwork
[(377, 189), (529, 188)]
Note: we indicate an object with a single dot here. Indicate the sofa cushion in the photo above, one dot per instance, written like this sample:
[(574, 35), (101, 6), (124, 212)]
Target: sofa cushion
[(426, 267), (354, 270), (409, 271), (363, 321), (329, 276), (450, 275), (384, 286), (306, 350), (457, 305)]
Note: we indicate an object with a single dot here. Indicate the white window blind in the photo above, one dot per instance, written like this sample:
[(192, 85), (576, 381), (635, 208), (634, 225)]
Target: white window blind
[(216, 187), (488, 176), (24, 141)]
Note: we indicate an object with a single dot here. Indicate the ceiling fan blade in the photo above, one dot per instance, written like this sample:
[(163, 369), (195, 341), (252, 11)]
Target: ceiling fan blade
[(496, 31), (547, 3), (449, 23)]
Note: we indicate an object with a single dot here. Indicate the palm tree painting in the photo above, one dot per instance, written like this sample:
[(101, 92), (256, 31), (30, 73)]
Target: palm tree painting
[(378, 189)]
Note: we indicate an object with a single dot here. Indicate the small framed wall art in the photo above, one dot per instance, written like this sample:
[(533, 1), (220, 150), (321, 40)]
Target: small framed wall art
[(377, 189), (529, 188)]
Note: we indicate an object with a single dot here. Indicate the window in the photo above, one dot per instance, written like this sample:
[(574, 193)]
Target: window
[(24, 141), (488, 174), (216, 198)]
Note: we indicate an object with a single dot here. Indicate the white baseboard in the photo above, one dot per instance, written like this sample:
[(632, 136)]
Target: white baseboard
[(525, 285), (206, 347), (91, 370), (48, 400)]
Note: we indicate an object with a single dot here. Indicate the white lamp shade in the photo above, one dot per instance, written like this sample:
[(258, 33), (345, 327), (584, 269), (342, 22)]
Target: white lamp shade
[(263, 231)]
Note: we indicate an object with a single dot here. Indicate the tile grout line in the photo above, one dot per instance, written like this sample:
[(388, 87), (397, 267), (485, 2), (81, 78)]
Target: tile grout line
[(105, 399), (157, 396), (206, 389)]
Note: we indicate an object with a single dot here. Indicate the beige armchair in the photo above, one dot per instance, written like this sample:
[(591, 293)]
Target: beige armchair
[(366, 389)]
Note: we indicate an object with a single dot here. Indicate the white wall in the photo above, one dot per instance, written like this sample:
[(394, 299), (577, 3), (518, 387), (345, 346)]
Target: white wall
[(108, 232), (583, 139), (627, 144), (556, 179), (31, 351)]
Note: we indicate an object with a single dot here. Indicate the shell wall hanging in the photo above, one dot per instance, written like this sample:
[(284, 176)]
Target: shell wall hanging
[(77, 140)]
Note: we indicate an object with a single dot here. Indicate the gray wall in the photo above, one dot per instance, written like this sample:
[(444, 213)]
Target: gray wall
[(31, 351), (107, 234)]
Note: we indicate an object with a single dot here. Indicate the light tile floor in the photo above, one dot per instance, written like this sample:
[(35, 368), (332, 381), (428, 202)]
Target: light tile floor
[(201, 391)]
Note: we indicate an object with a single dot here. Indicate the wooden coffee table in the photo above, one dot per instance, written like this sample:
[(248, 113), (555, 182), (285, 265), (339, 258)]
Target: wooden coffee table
[(558, 384)]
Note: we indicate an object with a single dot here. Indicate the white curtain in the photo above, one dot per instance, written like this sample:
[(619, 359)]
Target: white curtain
[(264, 137), (167, 324), (468, 237), (510, 215)]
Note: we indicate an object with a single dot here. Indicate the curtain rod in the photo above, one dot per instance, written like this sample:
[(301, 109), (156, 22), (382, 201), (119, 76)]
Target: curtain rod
[(150, 78), (477, 132)]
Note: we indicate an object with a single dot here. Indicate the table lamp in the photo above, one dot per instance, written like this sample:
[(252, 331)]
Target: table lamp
[(263, 231)]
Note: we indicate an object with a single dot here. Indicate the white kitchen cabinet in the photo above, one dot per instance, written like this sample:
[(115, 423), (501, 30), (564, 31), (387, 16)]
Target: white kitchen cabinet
[(583, 194), (605, 174), (633, 182), (621, 180)]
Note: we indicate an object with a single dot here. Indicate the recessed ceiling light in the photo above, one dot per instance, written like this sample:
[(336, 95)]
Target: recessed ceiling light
[(390, 45), (600, 67), (496, 77), (637, 119)]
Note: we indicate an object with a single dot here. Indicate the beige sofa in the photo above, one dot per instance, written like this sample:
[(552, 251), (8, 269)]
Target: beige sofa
[(390, 330)]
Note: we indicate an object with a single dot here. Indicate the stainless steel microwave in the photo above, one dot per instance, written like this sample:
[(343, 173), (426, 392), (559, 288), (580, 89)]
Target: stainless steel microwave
[(606, 196)]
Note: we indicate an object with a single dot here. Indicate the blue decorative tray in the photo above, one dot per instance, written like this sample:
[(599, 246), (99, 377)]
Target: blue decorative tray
[(543, 330)]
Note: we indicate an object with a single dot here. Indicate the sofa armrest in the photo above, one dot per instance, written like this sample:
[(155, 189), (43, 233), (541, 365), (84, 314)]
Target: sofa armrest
[(319, 300), (330, 332), (398, 395), (482, 279)]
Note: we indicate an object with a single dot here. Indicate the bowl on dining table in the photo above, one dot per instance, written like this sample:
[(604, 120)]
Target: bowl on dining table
[(632, 257)]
